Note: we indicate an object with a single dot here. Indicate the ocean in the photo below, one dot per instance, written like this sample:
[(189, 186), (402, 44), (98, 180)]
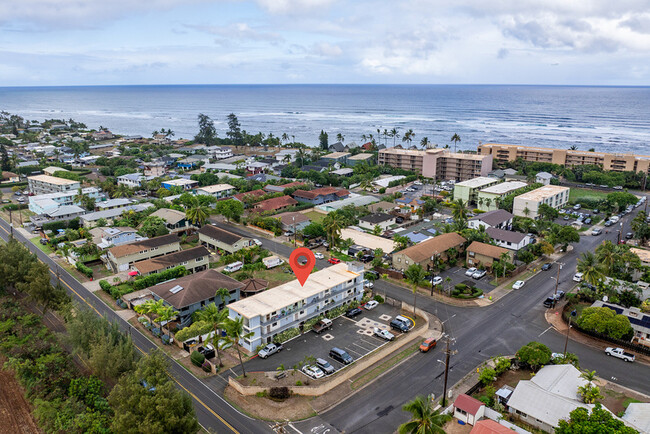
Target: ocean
[(614, 119)]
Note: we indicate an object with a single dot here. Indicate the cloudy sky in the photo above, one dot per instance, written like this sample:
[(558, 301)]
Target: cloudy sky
[(86, 42)]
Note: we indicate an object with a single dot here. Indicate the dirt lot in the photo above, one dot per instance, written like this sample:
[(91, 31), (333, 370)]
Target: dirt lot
[(294, 408), (15, 411)]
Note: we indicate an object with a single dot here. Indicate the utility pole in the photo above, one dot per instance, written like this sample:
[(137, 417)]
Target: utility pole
[(448, 352), (557, 279), (566, 342)]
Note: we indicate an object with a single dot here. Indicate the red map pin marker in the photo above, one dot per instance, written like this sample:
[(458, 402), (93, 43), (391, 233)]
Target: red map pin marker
[(302, 272)]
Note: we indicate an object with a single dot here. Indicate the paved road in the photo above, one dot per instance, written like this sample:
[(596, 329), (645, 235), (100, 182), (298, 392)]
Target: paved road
[(212, 410)]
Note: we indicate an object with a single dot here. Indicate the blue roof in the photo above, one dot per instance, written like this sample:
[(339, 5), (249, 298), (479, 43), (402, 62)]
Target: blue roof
[(417, 238), (432, 231)]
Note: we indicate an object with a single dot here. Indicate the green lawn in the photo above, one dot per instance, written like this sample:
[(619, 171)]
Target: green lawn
[(45, 248), (315, 216), (585, 193)]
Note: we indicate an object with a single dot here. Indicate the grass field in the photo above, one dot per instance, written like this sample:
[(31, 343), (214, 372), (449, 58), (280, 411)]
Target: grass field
[(585, 193), (315, 216)]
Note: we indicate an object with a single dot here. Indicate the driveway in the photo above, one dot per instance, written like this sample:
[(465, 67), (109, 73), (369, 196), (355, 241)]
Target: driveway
[(457, 275)]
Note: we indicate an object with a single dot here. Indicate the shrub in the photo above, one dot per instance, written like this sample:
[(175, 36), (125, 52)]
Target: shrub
[(298, 383), (262, 394), (487, 376), (280, 393), (104, 285), (84, 269), (378, 298), (197, 358), (502, 364), (142, 282), (461, 287), (197, 328), (534, 354), (286, 335), (604, 320), (207, 366)]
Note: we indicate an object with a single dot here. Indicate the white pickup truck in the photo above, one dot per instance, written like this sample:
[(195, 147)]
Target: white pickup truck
[(620, 353)]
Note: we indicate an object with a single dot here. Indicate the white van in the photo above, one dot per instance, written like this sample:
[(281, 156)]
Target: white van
[(234, 266), (614, 219), (577, 277)]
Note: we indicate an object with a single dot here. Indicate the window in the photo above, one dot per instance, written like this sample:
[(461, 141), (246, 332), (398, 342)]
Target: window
[(471, 254)]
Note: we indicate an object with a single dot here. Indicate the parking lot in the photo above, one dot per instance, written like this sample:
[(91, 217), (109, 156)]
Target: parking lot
[(457, 275), (355, 336)]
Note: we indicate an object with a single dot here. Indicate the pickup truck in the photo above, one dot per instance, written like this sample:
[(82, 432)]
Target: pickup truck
[(620, 353), (322, 325), (269, 350)]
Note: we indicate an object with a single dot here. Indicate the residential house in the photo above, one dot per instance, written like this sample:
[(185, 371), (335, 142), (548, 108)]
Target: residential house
[(468, 190), (106, 237), (280, 188), (291, 304), (42, 203), (43, 184), (423, 252), (369, 241), (90, 220), (382, 206), (286, 155), (467, 409), (488, 426), (337, 157), (315, 168), (498, 218), (61, 213), (639, 321), (321, 195), (190, 161), (219, 152), (275, 204), (483, 255), (194, 260), (216, 238), (384, 221), (218, 167), (543, 178), (343, 172), (548, 397), (509, 239), (336, 147), (488, 198), (409, 203), (101, 135), (10, 177), (256, 167), (637, 416), (293, 221), (353, 199), (361, 158), (263, 177), (120, 258), (119, 202), (51, 169), (191, 293), (527, 204), (155, 169), (175, 221), (218, 190), (250, 196), (185, 184), (132, 180)]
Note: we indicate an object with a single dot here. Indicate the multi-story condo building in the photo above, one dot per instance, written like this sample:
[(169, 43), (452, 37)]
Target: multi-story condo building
[(43, 184), (120, 258), (289, 305), (438, 163), (527, 204), (42, 203), (618, 162), (468, 190), (487, 198), (218, 190)]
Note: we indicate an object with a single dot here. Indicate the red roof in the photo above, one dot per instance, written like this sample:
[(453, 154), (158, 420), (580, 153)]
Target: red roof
[(468, 404), (275, 203), (367, 146), (324, 191), (254, 193), (488, 426)]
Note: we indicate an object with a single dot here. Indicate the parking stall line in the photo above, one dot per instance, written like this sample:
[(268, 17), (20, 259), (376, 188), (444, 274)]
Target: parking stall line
[(372, 346), (366, 350), (352, 351)]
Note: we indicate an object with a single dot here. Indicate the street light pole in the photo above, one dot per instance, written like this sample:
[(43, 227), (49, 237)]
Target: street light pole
[(557, 279), (432, 258), (447, 354), (620, 229), (566, 342)]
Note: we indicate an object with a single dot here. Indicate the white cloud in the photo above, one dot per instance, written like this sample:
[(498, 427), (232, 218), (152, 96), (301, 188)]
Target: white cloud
[(325, 49), (293, 7), (240, 31)]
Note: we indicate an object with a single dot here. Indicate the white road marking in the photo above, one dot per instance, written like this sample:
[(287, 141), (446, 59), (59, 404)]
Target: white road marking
[(550, 327)]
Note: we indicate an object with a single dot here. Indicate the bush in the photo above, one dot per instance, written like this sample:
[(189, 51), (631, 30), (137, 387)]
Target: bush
[(197, 358), (207, 366), (298, 383), (197, 328), (15, 207), (604, 320), (85, 270), (461, 287), (280, 393), (104, 285), (487, 376), (378, 298), (534, 354), (55, 226), (502, 364), (142, 282), (286, 335)]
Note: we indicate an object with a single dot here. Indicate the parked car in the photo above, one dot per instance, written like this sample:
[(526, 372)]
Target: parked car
[(366, 258), (371, 305), (470, 271), (619, 353), (629, 236), (313, 371), (368, 284), (43, 241), (318, 255), (577, 206), (373, 272), (325, 366), (399, 220), (399, 325), (384, 334), (437, 280), (207, 351), (546, 266), (341, 356), (550, 301), (269, 350), (257, 242), (478, 274), (518, 284), (322, 325), (577, 277), (353, 312), (566, 217), (588, 221), (596, 232), (608, 223), (427, 345), (334, 260)]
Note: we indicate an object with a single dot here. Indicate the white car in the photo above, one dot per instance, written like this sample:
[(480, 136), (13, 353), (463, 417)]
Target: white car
[(318, 255), (257, 242), (368, 284), (313, 371), (436, 280), (470, 271), (371, 305), (577, 277), (518, 284), (478, 274), (384, 334)]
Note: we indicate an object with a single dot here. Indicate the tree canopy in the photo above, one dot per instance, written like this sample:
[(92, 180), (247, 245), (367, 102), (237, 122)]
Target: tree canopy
[(598, 421)]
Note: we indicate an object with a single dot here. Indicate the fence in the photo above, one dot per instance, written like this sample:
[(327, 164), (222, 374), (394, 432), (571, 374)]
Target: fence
[(393, 274)]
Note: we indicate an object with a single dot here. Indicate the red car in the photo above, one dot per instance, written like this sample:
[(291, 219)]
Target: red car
[(333, 260)]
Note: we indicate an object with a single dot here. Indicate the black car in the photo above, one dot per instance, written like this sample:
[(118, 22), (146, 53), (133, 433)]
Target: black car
[(353, 312), (629, 236), (399, 220), (366, 258), (550, 301), (546, 266), (207, 352), (373, 272), (399, 325)]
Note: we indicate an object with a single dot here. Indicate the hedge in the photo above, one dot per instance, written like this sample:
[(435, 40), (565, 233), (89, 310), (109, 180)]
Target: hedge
[(142, 282), (62, 224), (85, 270), (15, 206), (198, 328), (105, 285), (286, 335), (197, 358)]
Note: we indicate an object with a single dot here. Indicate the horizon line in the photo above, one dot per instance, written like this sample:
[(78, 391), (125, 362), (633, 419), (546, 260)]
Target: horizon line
[(324, 84)]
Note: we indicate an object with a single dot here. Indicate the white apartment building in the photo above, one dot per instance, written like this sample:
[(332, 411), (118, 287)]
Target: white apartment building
[(43, 184), (527, 204), (219, 152), (289, 305), (133, 180), (43, 203), (217, 190)]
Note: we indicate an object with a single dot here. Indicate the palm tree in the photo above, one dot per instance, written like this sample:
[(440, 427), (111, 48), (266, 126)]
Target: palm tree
[(606, 255), (300, 155), (424, 420), (424, 142), (340, 137), (165, 314), (591, 269), (196, 213), (459, 211), (386, 135), (415, 275), (573, 147), (366, 184), (488, 202), (590, 376), (332, 225), (285, 137), (394, 134), (504, 258), (122, 191), (217, 318), (455, 138), (223, 295), (150, 307), (640, 227), (526, 211), (236, 333), (408, 136)]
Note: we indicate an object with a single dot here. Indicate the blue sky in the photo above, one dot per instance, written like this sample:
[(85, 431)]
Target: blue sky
[(88, 42)]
